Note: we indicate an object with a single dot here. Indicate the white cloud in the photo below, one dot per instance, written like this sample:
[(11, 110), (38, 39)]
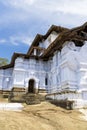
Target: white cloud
[(65, 12), (78, 7), (18, 3), (2, 41), (62, 12), (16, 40)]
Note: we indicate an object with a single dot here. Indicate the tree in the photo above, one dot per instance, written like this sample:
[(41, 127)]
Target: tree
[(3, 61)]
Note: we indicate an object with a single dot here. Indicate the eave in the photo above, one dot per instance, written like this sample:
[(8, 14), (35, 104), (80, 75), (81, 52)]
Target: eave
[(15, 55), (68, 35), (40, 37)]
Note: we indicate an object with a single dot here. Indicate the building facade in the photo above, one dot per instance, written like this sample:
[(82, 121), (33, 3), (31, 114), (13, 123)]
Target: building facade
[(55, 62)]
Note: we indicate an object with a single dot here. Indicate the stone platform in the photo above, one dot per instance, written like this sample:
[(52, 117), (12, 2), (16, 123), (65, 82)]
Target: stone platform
[(19, 96), (11, 106)]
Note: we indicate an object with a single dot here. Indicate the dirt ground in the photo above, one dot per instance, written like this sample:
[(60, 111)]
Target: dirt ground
[(44, 116)]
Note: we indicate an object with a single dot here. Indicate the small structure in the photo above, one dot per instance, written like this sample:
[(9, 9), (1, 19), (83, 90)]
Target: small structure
[(55, 63)]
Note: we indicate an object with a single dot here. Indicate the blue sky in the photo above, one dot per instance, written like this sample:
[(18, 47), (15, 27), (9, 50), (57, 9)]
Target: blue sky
[(21, 20)]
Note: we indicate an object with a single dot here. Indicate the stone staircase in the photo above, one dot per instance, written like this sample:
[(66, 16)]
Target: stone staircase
[(28, 98), (31, 98), (4, 94)]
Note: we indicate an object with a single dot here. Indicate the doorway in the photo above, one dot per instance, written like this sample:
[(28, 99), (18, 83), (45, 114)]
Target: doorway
[(31, 86)]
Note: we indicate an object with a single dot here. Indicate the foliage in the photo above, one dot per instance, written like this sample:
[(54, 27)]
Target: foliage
[(3, 61)]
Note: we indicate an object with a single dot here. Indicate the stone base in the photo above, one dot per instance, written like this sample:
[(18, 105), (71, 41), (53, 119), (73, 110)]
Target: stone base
[(16, 89), (42, 91), (16, 95), (36, 91), (79, 103), (70, 100), (4, 93), (20, 95), (1, 91)]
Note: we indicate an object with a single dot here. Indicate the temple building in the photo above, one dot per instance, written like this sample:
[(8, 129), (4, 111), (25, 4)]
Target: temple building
[(55, 63)]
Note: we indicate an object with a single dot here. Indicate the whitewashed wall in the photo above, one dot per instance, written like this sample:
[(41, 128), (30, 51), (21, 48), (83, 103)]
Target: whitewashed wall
[(6, 79), (29, 69), (49, 40), (69, 73), (1, 78), (54, 73), (66, 70)]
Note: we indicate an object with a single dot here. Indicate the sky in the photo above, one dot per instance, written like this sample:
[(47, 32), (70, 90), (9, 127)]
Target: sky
[(21, 20)]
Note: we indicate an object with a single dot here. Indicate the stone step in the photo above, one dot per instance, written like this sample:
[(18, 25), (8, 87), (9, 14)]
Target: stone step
[(29, 98)]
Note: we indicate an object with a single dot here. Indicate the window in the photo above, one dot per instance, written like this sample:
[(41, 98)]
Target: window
[(56, 59), (46, 81)]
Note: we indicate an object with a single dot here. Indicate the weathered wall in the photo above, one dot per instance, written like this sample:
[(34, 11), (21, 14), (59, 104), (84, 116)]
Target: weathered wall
[(69, 73), (26, 69), (6, 79)]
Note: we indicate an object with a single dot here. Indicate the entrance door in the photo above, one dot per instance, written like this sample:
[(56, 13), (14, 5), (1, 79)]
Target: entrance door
[(31, 86)]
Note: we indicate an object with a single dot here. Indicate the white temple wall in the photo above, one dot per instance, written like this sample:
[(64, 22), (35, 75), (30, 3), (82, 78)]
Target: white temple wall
[(6, 79), (82, 76), (1, 78), (66, 70), (21, 76), (68, 77), (29, 68), (54, 73), (18, 78), (73, 75), (24, 69), (69, 66), (49, 40)]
